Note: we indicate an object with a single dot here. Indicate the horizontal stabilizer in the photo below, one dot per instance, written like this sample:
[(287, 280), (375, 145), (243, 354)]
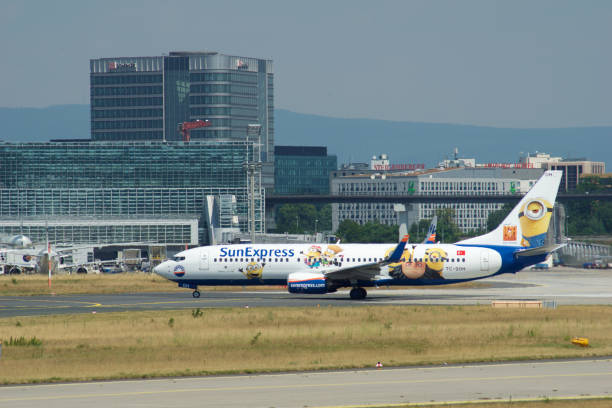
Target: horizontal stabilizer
[(539, 250), (396, 256)]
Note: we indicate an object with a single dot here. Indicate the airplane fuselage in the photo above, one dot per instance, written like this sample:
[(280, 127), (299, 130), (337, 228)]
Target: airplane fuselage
[(249, 264)]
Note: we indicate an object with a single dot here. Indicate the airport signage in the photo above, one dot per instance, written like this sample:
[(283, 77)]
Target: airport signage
[(122, 67), (417, 166)]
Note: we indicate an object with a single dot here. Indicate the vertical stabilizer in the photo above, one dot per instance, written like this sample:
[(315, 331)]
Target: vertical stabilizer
[(527, 223), (430, 238)]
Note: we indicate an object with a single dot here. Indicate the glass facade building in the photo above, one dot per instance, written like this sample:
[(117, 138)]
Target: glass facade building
[(302, 169), (121, 186), (145, 98)]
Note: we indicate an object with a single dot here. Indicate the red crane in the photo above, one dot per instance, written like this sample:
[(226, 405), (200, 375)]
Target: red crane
[(185, 127)]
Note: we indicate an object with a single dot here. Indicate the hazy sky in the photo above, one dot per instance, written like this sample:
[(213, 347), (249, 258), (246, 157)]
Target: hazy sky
[(510, 64)]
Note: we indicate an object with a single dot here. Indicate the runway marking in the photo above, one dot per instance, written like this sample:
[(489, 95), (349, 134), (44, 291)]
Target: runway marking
[(68, 303), (177, 302), (323, 373), (488, 401), (212, 388), (102, 305)]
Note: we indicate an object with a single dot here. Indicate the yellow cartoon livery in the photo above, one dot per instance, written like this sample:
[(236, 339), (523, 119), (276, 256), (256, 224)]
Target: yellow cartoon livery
[(253, 270), (434, 259), (534, 218)]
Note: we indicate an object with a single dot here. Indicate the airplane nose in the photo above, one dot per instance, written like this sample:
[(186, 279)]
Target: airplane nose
[(161, 269)]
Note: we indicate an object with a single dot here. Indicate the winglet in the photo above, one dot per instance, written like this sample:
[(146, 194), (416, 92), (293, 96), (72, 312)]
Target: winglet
[(396, 256)]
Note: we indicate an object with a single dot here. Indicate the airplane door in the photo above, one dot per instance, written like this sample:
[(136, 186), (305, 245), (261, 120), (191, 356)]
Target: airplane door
[(204, 261), (484, 260)]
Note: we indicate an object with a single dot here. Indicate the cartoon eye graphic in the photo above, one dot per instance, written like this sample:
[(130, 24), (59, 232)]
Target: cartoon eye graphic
[(535, 210)]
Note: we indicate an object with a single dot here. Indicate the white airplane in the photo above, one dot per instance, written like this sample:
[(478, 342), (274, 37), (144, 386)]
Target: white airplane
[(516, 243)]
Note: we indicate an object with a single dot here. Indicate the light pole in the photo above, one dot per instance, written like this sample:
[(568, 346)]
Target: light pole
[(252, 167), (316, 222)]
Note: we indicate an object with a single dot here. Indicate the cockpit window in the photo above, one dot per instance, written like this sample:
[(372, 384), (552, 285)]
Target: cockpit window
[(179, 258)]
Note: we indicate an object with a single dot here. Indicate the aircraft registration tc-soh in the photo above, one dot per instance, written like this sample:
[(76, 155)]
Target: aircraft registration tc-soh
[(518, 242)]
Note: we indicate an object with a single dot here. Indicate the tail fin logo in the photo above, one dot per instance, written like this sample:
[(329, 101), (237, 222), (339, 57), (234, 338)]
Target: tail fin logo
[(534, 218), (509, 233)]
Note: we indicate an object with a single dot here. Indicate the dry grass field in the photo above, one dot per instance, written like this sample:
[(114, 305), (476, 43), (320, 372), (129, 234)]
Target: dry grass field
[(27, 285), (32, 285), (230, 340)]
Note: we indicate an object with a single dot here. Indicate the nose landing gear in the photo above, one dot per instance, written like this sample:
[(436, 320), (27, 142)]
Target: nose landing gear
[(358, 293), (196, 294)]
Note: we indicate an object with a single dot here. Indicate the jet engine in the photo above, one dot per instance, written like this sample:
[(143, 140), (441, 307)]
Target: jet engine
[(307, 282)]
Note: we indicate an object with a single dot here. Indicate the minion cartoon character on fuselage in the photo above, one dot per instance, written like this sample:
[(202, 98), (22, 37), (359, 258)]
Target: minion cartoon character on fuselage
[(312, 258), (253, 270), (330, 256), (534, 218), (395, 269), (407, 267), (434, 261)]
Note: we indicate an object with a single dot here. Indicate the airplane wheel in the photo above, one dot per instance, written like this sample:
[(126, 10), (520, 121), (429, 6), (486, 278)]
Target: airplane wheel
[(363, 293), (358, 293), (196, 294)]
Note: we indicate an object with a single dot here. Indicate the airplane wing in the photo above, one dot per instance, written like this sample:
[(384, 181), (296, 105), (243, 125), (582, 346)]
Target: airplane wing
[(359, 272), (367, 271)]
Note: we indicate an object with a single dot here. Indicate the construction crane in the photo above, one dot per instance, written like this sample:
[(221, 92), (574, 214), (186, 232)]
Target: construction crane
[(185, 127)]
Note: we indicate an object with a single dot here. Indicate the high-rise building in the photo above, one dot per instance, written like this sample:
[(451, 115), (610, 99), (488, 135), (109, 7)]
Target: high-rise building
[(302, 169), (146, 98)]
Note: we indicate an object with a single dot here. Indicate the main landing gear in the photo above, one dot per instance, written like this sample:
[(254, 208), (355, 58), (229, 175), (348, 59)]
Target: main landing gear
[(196, 294), (358, 293)]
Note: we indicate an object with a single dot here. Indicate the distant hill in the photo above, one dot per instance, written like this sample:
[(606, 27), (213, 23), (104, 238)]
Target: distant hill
[(355, 139), (429, 143)]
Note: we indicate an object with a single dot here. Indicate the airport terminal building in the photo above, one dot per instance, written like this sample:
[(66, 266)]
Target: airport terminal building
[(124, 192)]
